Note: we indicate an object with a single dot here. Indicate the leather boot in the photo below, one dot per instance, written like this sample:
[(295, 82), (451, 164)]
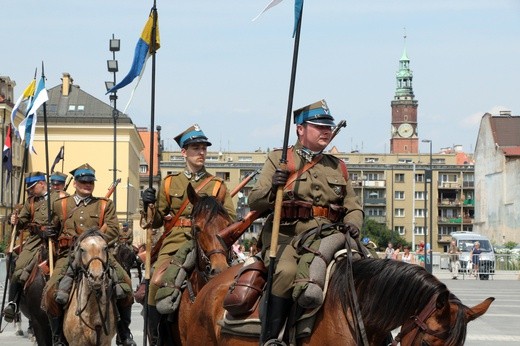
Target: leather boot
[(57, 331), (279, 309), (15, 290), (154, 321), (124, 336)]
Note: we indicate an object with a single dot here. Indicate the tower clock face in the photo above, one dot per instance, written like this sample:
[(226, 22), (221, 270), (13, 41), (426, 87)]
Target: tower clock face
[(405, 130)]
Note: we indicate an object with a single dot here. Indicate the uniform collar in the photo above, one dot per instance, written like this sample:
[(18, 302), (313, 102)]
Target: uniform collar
[(195, 176), (78, 199), (305, 153)]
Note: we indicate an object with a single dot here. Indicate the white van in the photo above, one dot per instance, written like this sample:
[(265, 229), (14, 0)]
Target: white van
[(465, 242)]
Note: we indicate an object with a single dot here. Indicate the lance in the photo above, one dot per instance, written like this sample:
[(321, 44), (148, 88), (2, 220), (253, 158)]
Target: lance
[(150, 209), (279, 191), (47, 170)]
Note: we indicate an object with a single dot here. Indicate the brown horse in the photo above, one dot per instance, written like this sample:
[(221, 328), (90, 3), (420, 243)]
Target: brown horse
[(208, 217), (390, 294), (90, 317)]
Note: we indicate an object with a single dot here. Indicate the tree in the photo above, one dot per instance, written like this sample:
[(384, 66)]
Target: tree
[(379, 234)]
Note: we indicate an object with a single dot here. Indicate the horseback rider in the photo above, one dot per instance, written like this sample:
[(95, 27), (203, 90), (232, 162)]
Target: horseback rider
[(58, 181), (173, 212), (33, 218), (317, 193), (73, 215)]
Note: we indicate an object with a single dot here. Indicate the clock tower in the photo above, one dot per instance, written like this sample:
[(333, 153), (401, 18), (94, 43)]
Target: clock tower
[(404, 137)]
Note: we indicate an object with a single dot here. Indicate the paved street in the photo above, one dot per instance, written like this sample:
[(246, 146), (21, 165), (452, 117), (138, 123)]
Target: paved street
[(499, 326)]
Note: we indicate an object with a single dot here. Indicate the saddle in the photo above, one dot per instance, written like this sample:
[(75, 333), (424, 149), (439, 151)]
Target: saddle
[(246, 320)]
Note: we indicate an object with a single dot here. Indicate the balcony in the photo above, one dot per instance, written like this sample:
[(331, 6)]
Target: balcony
[(457, 221), (374, 201), (448, 185), (377, 218)]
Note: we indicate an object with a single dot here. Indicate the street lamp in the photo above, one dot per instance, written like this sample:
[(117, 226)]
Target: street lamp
[(112, 66), (428, 175)]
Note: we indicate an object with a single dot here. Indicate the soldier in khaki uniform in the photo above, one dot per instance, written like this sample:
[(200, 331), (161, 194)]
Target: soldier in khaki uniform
[(321, 195), (34, 218), (58, 181), (193, 143), (73, 215)]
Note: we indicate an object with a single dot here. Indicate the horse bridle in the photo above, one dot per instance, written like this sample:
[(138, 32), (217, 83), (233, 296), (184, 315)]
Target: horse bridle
[(418, 323), (205, 258), (83, 271)]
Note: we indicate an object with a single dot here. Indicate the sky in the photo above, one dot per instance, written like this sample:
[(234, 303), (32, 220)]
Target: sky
[(218, 68)]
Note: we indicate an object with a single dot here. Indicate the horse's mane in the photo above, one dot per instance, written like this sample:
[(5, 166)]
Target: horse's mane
[(210, 207), (389, 291)]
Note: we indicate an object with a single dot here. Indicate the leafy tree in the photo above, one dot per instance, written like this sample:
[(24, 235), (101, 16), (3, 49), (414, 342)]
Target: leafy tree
[(380, 235), (510, 245)]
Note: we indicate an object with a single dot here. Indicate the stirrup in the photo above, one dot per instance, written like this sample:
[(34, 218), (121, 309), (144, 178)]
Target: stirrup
[(10, 312)]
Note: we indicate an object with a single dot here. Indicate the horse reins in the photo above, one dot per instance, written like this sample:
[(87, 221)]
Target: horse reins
[(84, 273), (416, 323)]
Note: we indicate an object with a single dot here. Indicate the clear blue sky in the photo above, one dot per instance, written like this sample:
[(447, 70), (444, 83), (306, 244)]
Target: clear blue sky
[(230, 75)]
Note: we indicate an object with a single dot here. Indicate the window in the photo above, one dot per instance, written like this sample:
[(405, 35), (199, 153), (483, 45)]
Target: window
[(354, 176), (419, 178), (419, 230), (81, 107), (245, 159), (399, 194), (419, 195), (399, 212), (72, 108), (373, 176), (371, 159), (399, 178), (176, 158), (211, 158), (143, 169), (375, 212), (223, 175), (400, 230), (405, 161), (419, 212)]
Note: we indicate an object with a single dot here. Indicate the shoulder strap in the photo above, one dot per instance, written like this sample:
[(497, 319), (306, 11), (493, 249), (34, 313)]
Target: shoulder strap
[(344, 169), (305, 168), (31, 206), (186, 201), (167, 184), (102, 207)]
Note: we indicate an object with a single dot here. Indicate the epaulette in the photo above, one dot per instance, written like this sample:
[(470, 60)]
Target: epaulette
[(278, 149)]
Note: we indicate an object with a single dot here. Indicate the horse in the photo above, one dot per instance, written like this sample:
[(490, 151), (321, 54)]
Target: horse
[(208, 216), (90, 316), (32, 292), (389, 294), (126, 255)]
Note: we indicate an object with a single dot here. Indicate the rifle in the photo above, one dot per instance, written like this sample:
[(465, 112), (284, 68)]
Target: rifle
[(243, 183), (112, 188)]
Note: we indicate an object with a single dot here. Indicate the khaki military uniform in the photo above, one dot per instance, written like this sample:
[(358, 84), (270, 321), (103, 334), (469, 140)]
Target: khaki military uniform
[(32, 217), (322, 185), (179, 234), (75, 220)]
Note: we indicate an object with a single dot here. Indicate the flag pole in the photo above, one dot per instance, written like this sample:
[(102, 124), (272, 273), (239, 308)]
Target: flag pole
[(279, 191), (50, 248), (149, 209)]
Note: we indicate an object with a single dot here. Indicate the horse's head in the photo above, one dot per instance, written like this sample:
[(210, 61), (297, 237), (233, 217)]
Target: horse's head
[(208, 217), (442, 322), (92, 256)]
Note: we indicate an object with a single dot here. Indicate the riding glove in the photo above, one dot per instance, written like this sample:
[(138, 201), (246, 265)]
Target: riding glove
[(47, 232), (350, 228), (279, 179), (149, 196)]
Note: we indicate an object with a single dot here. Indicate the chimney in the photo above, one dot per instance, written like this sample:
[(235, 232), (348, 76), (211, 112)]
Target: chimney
[(66, 83)]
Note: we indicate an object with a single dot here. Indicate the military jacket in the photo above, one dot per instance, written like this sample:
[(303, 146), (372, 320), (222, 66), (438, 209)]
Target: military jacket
[(177, 192), (35, 211), (322, 185), (77, 218)]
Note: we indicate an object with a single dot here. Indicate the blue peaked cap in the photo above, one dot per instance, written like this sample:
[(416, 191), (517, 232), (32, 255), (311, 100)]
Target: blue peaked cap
[(317, 113), (192, 135)]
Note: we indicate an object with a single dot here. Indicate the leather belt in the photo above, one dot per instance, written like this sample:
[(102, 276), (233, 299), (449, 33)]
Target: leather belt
[(301, 210), (182, 222)]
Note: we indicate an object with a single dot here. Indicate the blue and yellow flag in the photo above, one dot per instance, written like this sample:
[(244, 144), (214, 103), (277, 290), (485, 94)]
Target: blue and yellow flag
[(142, 53)]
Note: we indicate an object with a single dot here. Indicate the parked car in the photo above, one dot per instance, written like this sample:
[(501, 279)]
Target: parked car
[(465, 242)]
